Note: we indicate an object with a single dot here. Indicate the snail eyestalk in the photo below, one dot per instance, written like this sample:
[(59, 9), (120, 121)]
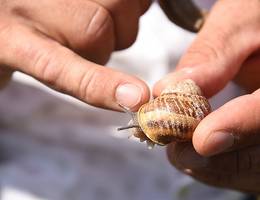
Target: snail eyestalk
[(128, 127), (133, 122), (126, 110)]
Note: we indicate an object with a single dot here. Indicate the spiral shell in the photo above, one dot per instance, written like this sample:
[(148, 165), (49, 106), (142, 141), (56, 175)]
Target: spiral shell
[(172, 116)]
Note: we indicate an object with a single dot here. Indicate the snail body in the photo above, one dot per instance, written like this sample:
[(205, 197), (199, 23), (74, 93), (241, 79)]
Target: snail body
[(172, 116)]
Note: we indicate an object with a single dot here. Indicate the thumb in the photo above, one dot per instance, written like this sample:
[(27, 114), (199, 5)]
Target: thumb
[(58, 67), (220, 48), (234, 125)]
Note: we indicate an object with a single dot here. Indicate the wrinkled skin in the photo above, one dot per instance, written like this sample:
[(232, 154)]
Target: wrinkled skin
[(63, 44), (225, 146), (60, 43)]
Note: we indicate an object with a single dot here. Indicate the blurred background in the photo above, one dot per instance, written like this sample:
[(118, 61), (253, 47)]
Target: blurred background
[(53, 147)]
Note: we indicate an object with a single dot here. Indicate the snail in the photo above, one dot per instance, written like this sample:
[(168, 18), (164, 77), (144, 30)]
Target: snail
[(172, 116)]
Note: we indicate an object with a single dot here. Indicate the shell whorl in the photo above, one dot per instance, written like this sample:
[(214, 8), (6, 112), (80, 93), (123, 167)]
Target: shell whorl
[(187, 86), (174, 115)]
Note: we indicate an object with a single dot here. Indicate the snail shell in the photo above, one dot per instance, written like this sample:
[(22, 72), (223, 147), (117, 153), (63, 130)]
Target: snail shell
[(172, 116)]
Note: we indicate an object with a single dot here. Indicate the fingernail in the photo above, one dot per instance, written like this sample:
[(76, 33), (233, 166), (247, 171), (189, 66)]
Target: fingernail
[(191, 159), (181, 73), (128, 95), (186, 70), (177, 76), (218, 142)]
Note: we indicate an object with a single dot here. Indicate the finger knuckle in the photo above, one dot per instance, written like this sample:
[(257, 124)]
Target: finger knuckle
[(93, 37), (202, 51), (89, 85), (98, 25), (40, 57), (44, 65), (208, 49)]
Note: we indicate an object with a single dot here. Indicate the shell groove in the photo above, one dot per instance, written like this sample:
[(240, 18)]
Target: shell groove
[(174, 115)]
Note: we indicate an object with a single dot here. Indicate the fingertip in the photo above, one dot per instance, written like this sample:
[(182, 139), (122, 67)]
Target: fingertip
[(232, 126), (145, 95), (209, 138), (170, 79), (132, 94), (111, 89), (197, 141), (199, 74), (202, 133)]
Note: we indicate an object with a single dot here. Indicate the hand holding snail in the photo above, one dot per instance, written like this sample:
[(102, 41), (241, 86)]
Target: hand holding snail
[(225, 145), (172, 116)]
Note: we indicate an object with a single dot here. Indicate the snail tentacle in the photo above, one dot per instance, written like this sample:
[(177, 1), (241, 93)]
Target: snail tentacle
[(128, 127)]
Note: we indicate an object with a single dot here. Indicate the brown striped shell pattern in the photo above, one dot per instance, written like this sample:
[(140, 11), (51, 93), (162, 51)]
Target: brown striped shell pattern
[(172, 116)]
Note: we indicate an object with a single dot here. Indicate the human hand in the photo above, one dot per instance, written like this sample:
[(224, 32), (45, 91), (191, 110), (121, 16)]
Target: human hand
[(225, 149), (49, 40)]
